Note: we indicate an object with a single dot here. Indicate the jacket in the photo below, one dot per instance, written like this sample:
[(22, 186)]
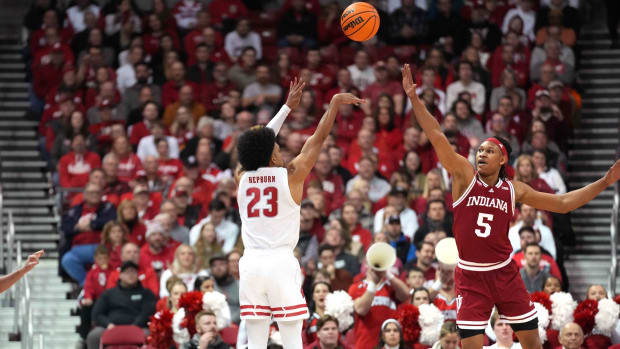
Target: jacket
[(124, 306), (105, 213), (216, 344)]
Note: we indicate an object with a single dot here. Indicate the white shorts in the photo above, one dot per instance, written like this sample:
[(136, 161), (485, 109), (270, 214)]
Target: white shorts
[(270, 285)]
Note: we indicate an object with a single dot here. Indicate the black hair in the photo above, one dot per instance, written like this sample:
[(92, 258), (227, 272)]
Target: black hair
[(420, 289), (199, 280), (532, 244), (217, 205), (428, 205), (326, 247), (255, 147), (527, 228), (502, 170), (311, 304)]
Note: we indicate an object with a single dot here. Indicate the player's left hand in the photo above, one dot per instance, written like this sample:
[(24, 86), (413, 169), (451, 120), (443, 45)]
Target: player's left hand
[(408, 84), (296, 88), (33, 260), (613, 175)]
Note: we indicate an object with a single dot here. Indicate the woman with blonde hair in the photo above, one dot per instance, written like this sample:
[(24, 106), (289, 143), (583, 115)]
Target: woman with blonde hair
[(448, 337), (114, 236), (184, 267), (433, 180), (525, 171), (207, 245), (176, 287), (183, 127)]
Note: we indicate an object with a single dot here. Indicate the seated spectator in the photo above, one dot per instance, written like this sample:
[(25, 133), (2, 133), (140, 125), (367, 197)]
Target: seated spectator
[(171, 89), (169, 168), (327, 333), (414, 278), (533, 277), (507, 61), (126, 74), (225, 12), (94, 286), (176, 287), (147, 146), (335, 237), (74, 167), (82, 227), (351, 223), (549, 174), (114, 236), (128, 303), (297, 26), (397, 198), (149, 177), (539, 140), (448, 336), (466, 83), (424, 257), (419, 296), (525, 11), (127, 215), (526, 173), (188, 211), (242, 37), (154, 33), (185, 99), (503, 333), (183, 266), (362, 72), (201, 71), (128, 162), (370, 314), (319, 291), (110, 169), (146, 203), (571, 336), (227, 231), (155, 253), (528, 235), (408, 25), (378, 187), (499, 128), (204, 284), (178, 233), (76, 13), (552, 285), (207, 245), (150, 116), (186, 13), (436, 218), (233, 258), (308, 243), (215, 93), (444, 290), (560, 57), (339, 278), (383, 85), (596, 292), (262, 94), (508, 85), (330, 181), (206, 335), (391, 335), (148, 278), (467, 122), (243, 72), (226, 284), (405, 251), (549, 12)]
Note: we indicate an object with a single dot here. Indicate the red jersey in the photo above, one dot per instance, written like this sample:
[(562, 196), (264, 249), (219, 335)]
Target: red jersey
[(481, 220), (160, 261), (74, 169), (96, 281), (447, 308), (170, 167), (128, 167), (368, 327)]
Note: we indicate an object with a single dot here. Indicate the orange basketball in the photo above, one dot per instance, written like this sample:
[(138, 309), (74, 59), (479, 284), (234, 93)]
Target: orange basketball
[(360, 21)]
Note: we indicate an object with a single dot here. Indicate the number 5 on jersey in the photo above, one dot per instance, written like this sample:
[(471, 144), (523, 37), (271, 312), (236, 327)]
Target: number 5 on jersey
[(483, 219), (272, 201)]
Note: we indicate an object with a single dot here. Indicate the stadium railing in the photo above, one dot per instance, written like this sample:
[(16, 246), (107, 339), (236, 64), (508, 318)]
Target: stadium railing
[(2, 262), (613, 271)]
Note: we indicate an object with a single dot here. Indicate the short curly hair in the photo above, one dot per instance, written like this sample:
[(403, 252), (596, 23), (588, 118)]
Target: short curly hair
[(255, 147)]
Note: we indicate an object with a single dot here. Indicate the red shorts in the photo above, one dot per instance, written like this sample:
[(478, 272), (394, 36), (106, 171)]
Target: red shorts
[(478, 291)]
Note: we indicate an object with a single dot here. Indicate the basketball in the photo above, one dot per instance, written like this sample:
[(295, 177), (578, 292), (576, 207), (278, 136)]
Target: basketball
[(360, 21)]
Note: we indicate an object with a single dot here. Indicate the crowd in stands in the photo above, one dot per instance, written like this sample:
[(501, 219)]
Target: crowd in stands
[(141, 103)]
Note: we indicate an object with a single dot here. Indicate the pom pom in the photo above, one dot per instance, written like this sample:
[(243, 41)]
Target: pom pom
[(562, 307), (340, 305), (607, 317), (216, 302), (430, 321), (597, 341), (408, 315), (542, 298), (617, 299), (584, 315), (191, 302), (543, 321), (180, 334), (160, 328)]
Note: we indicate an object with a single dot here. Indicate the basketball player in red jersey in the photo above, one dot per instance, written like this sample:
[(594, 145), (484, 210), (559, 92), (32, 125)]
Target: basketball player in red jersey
[(484, 202)]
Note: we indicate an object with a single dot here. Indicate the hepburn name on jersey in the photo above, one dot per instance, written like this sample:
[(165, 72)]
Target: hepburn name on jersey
[(262, 179), (487, 202)]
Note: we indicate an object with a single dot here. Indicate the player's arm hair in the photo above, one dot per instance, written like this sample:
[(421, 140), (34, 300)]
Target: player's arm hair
[(560, 203), (454, 163), (301, 166)]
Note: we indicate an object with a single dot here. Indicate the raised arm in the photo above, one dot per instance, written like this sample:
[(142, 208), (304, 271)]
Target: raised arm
[(8, 280), (295, 90), (563, 203), (300, 167), (456, 165)]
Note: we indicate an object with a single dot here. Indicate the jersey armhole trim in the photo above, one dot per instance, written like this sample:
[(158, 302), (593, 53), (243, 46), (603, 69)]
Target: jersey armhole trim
[(512, 196), (288, 185), (466, 192)]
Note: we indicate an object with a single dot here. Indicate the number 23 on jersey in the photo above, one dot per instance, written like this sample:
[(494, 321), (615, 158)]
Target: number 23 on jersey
[(269, 195)]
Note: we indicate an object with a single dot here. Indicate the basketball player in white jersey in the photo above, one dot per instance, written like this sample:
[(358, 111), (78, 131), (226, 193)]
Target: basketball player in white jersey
[(269, 196)]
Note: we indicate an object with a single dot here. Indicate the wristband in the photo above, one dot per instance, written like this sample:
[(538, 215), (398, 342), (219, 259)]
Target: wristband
[(371, 287), (436, 285)]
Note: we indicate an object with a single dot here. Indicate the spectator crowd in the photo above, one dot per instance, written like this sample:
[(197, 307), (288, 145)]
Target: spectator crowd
[(141, 103)]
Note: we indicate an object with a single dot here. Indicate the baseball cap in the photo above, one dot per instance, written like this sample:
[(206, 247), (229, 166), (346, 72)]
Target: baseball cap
[(393, 220), (138, 189), (153, 227), (57, 47), (380, 65), (217, 257), (190, 162), (542, 93), (129, 264)]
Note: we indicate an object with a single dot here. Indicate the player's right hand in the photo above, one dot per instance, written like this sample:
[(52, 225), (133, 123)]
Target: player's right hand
[(408, 84), (295, 90), (346, 98)]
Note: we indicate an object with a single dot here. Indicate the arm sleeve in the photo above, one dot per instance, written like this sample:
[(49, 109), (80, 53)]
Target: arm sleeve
[(276, 123)]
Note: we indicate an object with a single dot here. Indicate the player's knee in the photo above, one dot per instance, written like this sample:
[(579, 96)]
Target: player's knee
[(525, 326)]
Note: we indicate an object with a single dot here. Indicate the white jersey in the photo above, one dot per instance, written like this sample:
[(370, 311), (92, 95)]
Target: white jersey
[(269, 215)]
